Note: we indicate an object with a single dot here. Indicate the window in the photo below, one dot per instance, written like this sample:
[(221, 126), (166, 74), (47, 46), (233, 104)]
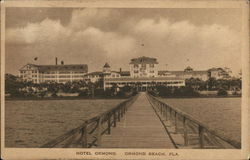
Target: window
[(78, 76), (79, 72), (151, 65), (136, 65), (64, 72), (136, 72), (64, 76), (143, 66)]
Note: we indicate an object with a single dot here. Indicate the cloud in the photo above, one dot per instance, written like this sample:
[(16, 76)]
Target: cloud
[(205, 46), (83, 18), (112, 44), (99, 35), (49, 39), (50, 32), (47, 31)]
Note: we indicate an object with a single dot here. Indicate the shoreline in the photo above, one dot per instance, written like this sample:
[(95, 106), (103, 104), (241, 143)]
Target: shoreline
[(204, 96), (110, 98), (63, 98)]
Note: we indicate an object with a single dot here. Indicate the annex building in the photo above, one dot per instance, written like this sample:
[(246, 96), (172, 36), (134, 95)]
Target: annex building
[(53, 73)]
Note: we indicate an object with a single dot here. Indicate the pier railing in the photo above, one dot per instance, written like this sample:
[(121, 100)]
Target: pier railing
[(89, 134), (194, 133)]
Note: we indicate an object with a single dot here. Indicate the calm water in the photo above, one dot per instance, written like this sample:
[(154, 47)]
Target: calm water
[(33, 123), (221, 114)]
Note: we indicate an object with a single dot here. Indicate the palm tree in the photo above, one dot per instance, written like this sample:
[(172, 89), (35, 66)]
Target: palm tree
[(211, 83)]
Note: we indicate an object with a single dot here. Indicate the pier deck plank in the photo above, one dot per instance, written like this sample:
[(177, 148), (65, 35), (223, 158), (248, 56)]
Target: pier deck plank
[(139, 128)]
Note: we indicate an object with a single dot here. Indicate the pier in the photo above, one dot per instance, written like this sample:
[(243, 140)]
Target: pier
[(140, 128), (143, 121)]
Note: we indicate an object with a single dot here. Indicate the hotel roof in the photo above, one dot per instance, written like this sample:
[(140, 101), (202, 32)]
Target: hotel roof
[(178, 73), (215, 69), (106, 65), (143, 60), (189, 72), (125, 73), (100, 73), (68, 67), (149, 79)]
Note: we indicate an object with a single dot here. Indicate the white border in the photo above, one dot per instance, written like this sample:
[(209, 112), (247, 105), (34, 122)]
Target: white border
[(34, 153)]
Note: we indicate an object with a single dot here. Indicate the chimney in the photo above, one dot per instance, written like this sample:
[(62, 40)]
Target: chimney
[(62, 63), (56, 60), (120, 70)]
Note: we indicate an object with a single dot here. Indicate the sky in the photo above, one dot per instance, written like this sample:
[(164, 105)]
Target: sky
[(200, 38)]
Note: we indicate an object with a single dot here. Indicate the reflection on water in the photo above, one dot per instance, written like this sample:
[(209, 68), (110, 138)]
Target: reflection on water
[(33, 123)]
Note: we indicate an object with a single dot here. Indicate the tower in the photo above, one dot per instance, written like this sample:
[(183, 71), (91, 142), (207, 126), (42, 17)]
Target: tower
[(106, 68)]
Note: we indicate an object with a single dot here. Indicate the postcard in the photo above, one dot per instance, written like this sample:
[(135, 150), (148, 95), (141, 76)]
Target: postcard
[(125, 80)]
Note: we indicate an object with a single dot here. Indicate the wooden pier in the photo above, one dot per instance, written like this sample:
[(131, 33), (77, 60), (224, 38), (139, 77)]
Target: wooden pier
[(139, 128)]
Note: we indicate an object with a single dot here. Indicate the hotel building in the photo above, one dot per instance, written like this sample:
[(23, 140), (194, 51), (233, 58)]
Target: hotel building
[(186, 74), (53, 73), (220, 73), (143, 67), (143, 74)]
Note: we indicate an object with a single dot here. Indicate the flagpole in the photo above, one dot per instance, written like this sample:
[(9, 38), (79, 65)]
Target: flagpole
[(188, 62)]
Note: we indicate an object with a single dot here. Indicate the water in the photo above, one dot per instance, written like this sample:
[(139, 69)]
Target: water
[(33, 123), (220, 114)]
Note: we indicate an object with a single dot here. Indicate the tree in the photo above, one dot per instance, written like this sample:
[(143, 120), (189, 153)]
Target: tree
[(194, 83), (222, 92), (53, 88), (114, 89), (108, 92), (12, 85), (211, 83), (163, 91), (66, 87), (126, 91)]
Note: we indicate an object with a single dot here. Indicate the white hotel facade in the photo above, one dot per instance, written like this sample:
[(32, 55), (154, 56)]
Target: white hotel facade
[(142, 75), (53, 73)]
